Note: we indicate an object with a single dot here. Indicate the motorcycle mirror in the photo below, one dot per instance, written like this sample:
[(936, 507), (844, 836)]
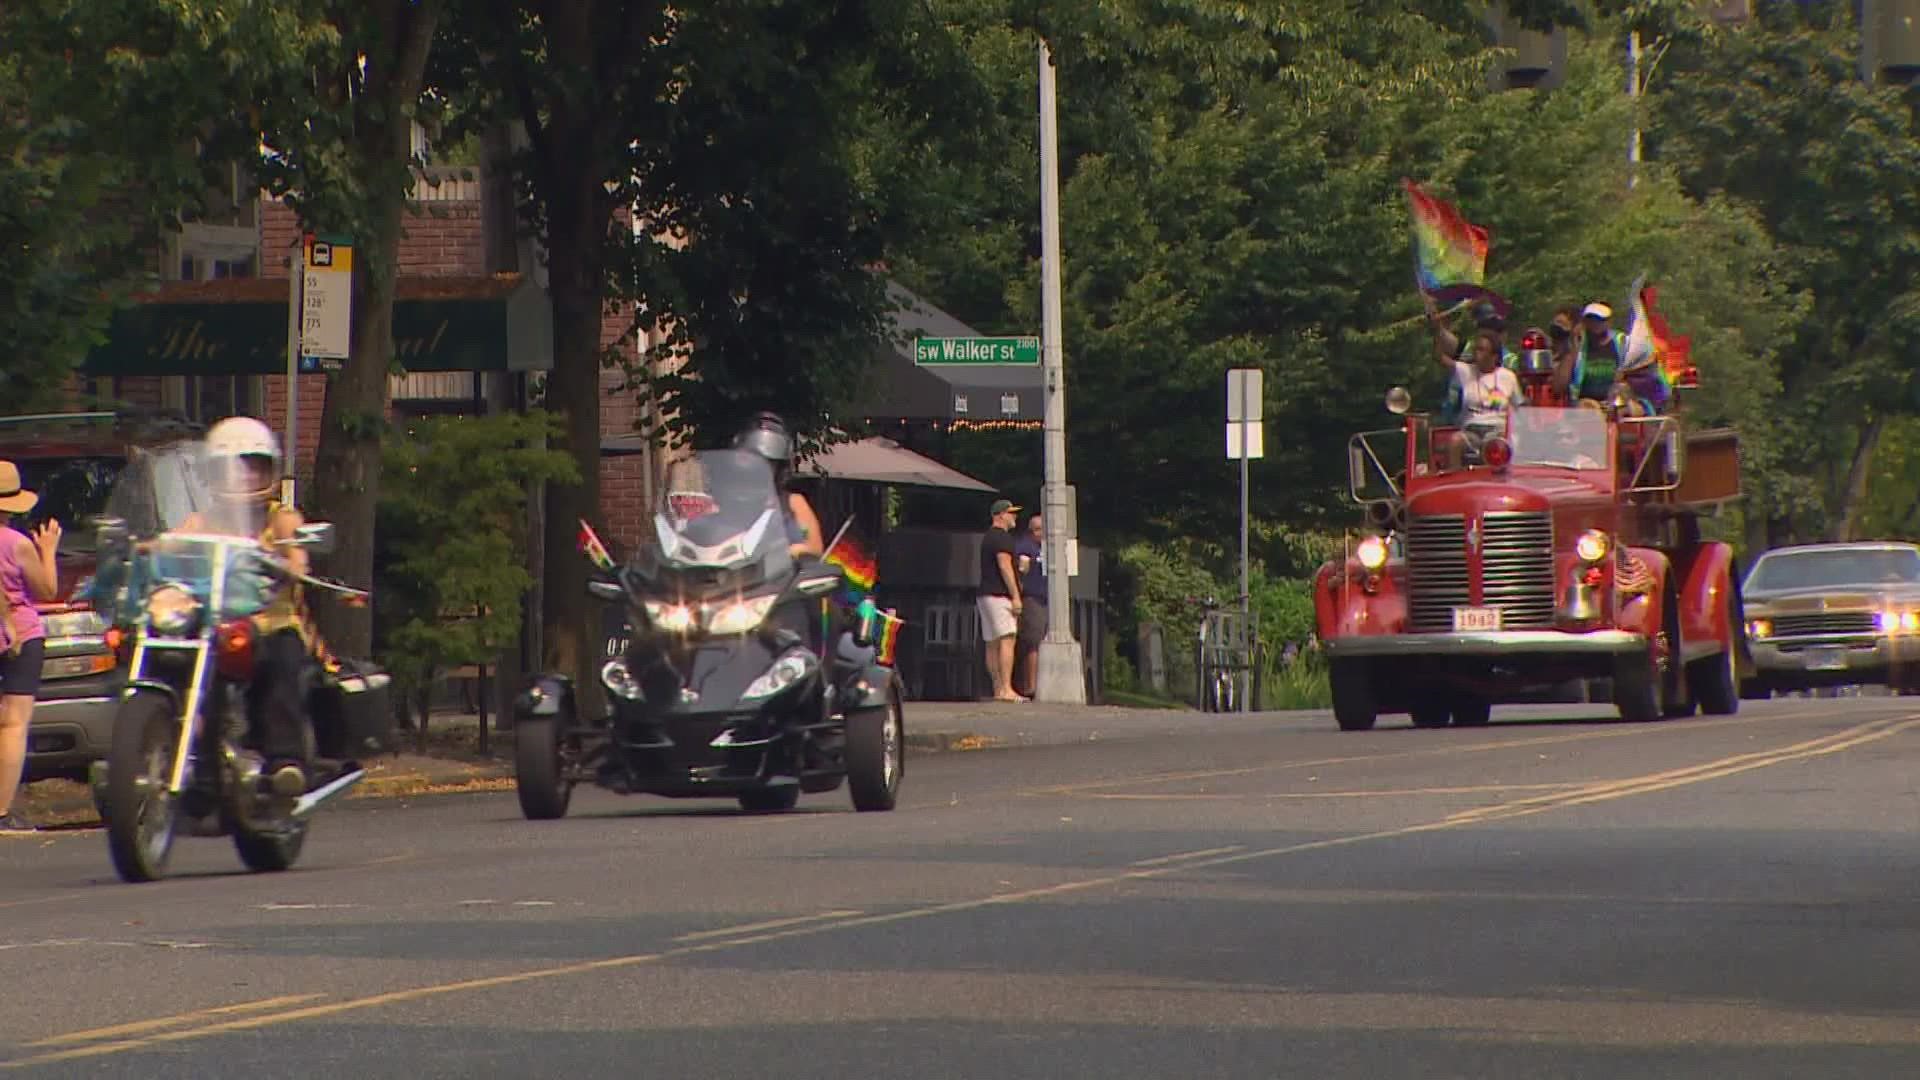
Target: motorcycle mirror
[(817, 586), (1399, 402), (109, 532), (605, 590), (315, 536)]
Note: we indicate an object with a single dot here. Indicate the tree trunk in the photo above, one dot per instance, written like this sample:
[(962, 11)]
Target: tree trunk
[(346, 479), (573, 388), (1845, 514)]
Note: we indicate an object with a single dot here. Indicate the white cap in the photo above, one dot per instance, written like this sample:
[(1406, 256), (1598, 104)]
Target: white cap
[(1597, 310)]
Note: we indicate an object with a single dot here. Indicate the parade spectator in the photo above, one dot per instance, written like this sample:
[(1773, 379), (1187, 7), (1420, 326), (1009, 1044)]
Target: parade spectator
[(999, 601), (1030, 556), (27, 573)]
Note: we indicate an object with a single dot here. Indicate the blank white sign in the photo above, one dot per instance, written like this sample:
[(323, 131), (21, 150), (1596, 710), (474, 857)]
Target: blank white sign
[(1243, 395), (1251, 435)]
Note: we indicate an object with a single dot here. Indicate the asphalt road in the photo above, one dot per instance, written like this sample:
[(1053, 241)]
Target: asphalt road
[(1579, 898)]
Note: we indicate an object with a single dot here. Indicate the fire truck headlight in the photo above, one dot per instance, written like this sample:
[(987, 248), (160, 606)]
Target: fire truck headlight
[(1592, 546), (1372, 553)]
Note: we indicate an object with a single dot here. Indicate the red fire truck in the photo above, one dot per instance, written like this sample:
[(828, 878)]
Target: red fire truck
[(1558, 559)]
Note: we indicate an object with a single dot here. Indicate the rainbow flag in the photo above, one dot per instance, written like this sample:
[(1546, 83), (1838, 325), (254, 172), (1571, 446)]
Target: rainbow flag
[(590, 546), (1648, 335), (1449, 252), (856, 562), (889, 636)]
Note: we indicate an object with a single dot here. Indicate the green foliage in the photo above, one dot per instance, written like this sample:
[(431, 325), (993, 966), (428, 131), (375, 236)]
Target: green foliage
[(453, 538), (1297, 683), (115, 120)]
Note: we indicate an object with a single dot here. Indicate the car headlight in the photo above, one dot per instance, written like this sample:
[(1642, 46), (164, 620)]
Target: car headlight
[(1897, 622), (1592, 546), (1372, 553), (785, 672), (1760, 628), (172, 610), (619, 680), (75, 624), (673, 618), (740, 616)]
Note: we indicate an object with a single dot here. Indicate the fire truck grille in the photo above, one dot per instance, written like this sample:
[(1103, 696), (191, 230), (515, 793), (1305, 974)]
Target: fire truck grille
[(1516, 564)]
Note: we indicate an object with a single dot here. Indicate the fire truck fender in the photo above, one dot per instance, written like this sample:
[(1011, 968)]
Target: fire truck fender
[(1350, 602), (1706, 584), (1644, 592)]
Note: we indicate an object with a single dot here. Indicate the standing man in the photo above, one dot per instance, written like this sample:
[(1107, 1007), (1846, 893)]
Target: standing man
[(1030, 556), (1000, 598)]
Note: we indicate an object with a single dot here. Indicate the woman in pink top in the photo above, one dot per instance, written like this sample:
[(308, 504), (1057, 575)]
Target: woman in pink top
[(26, 574)]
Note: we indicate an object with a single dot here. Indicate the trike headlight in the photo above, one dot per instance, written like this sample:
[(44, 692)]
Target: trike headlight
[(785, 672), (172, 610)]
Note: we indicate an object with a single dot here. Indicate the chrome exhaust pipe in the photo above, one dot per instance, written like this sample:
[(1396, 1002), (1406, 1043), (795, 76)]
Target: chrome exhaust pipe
[(314, 799)]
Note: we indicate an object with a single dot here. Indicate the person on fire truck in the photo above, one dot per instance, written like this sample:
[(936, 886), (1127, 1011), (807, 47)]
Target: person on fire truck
[(1487, 389)]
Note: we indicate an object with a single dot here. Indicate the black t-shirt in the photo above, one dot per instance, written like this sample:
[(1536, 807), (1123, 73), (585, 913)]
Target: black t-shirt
[(992, 582)]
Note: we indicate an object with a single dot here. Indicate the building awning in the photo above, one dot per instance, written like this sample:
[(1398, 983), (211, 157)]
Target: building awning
[(883, 461), (238, 326), (903, 390)]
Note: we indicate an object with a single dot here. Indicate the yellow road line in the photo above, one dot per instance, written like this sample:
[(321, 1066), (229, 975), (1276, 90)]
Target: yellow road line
[(771, 924), (139, 1026), (1392, 755), (1184, 855), (1851, 737), (1472, 789)]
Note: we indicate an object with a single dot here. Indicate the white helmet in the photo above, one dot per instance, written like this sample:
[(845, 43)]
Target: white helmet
[(229, 444)]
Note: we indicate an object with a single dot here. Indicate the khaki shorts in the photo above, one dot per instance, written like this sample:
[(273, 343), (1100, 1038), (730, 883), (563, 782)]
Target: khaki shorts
[(996, 618)]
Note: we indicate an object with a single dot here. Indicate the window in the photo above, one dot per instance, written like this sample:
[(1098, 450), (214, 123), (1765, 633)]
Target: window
[(215, 253)]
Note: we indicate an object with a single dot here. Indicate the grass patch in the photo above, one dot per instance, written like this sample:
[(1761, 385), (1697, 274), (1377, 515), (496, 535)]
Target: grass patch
[(1132, 700), (1301, 684)]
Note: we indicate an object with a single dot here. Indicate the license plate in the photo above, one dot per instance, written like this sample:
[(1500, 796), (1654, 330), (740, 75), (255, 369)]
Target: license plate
[(1826, 659), (1469, 619)]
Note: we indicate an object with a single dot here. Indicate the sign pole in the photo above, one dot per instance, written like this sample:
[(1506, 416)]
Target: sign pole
[(296, 275), (1061, 679), (1245, 420), (1246, 603)]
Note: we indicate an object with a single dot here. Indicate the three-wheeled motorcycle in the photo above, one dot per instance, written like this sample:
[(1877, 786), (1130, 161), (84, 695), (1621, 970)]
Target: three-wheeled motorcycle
[(736, 681), (181, 603)]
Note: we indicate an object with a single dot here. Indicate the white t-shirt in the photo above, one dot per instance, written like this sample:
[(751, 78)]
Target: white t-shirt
[(1486, 397)]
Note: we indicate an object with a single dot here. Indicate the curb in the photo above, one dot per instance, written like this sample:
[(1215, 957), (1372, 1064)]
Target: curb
[(68, 811)]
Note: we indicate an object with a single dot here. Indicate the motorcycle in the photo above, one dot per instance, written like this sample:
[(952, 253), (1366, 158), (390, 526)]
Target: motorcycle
[(726, 687), (182, 602)]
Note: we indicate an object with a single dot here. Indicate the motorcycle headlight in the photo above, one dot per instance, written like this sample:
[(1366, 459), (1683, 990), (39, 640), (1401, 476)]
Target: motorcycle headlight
[(785, 672), (172, 610), (740, 616), (673, 618), (619, 680)]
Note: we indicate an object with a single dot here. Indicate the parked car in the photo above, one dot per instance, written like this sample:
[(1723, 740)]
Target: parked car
[(1824, 615), (71, 460)]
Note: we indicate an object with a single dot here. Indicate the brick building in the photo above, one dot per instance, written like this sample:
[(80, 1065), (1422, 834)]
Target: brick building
[(471, 330)]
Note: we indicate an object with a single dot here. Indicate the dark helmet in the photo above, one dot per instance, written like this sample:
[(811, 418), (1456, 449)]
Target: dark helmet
[(1487, 317), (766, 435)]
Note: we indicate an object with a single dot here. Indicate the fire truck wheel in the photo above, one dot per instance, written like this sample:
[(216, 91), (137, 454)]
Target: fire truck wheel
[(1355, 707), (1472, 712), (1711, 680)]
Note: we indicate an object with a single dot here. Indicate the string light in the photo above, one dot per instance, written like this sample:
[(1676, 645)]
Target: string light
[(995, 425)]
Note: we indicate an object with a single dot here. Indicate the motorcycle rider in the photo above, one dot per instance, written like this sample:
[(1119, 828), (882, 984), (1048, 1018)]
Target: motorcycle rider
[(244, 463), (766, 435)]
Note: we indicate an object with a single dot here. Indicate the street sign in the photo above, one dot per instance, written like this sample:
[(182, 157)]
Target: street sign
[(1252, 436), (326, 304), (1016, 351), (1243, 394)]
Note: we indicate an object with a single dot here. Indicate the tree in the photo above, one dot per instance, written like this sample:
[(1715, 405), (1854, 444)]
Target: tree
[(114, 122), (1775, 116), (724, 128), (341, 153), (453, 540)]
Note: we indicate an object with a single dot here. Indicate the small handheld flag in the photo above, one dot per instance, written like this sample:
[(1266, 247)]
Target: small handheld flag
[(889, 636), (590, 546)]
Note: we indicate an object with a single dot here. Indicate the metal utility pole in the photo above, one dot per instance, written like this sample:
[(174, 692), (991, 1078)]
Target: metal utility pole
[(1633, 98), (296, 277), (1061, 679)]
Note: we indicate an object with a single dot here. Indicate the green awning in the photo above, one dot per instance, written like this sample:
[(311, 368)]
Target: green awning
[(239, 327)]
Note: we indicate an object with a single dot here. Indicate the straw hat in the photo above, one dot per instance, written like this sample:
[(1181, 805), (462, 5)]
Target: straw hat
[(14, 499)]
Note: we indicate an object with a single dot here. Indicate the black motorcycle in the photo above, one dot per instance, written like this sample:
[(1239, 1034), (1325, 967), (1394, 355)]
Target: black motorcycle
[(735, 683)]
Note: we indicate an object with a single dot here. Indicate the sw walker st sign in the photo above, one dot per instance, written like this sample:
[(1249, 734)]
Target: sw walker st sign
[(934, 352)]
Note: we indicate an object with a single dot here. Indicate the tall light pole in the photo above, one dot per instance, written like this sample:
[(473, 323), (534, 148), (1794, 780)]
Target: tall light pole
[(1061, 679)]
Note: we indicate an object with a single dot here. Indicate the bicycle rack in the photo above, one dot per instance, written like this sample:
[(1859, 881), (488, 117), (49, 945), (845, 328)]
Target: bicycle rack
[(1227, 649)]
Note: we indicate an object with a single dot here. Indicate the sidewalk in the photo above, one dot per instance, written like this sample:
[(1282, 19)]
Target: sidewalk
[(450, 763)]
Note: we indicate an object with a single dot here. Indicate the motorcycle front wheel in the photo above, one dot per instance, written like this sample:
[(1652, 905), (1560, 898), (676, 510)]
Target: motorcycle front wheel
[(140, 812)]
